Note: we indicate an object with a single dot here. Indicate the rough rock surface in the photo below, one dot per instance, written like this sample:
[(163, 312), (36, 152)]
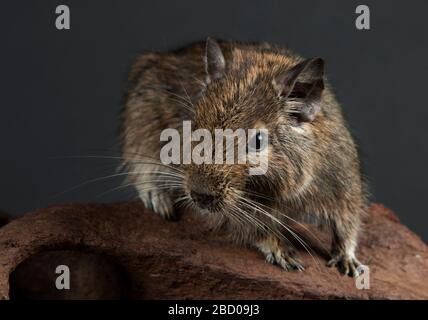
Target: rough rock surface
[(130, 252)]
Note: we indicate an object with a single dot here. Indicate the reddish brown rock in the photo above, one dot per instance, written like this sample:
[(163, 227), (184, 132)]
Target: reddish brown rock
[(122, 250)]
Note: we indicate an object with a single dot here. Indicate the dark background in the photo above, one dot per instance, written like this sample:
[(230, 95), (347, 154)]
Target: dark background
[(61, 91)]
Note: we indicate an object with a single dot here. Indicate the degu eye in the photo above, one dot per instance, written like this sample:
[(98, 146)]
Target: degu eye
[(258, 142)]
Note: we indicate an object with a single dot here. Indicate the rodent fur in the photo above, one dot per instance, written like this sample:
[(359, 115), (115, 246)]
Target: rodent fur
[(314, 168)]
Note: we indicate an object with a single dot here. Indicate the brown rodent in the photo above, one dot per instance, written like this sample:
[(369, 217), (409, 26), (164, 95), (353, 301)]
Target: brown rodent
[(314, 167)]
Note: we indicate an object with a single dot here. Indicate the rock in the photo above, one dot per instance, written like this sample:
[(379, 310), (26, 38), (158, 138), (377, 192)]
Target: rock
[(132, 253), (97, 277)]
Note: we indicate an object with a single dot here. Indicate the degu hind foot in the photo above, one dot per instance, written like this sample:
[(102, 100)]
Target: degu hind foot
[(276, 254)]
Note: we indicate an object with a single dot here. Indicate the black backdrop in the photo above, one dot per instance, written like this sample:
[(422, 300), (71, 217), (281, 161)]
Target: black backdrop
[(61, 90)]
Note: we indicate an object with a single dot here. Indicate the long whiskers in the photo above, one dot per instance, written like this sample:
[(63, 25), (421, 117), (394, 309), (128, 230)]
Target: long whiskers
[(282, 214), (255, 206), (137, 159)]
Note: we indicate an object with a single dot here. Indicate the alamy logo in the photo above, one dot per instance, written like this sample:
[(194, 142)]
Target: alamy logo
[(252, 147), (62, 21), (362, 281), (363, 20), (62, 282)]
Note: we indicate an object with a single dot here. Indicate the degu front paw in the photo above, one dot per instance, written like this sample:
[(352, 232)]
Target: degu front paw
[(276, 255), (346, 264), (160, 203)]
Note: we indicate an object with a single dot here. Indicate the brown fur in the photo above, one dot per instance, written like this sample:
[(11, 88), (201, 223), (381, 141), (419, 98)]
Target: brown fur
[(313, 170)]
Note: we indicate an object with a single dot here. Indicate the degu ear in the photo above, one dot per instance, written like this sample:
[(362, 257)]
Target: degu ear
[(215, 64), (303, 84)]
